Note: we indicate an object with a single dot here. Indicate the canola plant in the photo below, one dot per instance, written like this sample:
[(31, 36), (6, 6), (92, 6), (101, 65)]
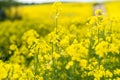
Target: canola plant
[(64, 43)]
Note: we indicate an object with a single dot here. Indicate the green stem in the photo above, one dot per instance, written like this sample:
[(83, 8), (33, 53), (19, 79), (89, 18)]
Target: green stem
[(56, 22)]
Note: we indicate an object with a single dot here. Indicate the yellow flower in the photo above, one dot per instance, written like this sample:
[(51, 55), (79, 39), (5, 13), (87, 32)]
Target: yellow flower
[(47, 57), (57, 8), (93, 20), (13, 47), (83, 63), (3, 72), (108, 74), (64, 42), (38, 78), (102, 48), (117, 72), (56, 55), (98, 12), (114, 48), (69, 65), (13, 38)]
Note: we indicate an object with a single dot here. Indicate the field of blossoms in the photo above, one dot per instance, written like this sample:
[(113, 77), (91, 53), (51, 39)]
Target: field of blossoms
[(61, 41)]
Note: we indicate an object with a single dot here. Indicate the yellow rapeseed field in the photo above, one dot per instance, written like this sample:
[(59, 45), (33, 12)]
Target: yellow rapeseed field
[(61, 41), (113, 8)]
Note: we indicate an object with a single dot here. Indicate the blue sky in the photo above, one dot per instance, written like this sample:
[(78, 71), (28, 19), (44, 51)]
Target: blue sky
[(41, 1)]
